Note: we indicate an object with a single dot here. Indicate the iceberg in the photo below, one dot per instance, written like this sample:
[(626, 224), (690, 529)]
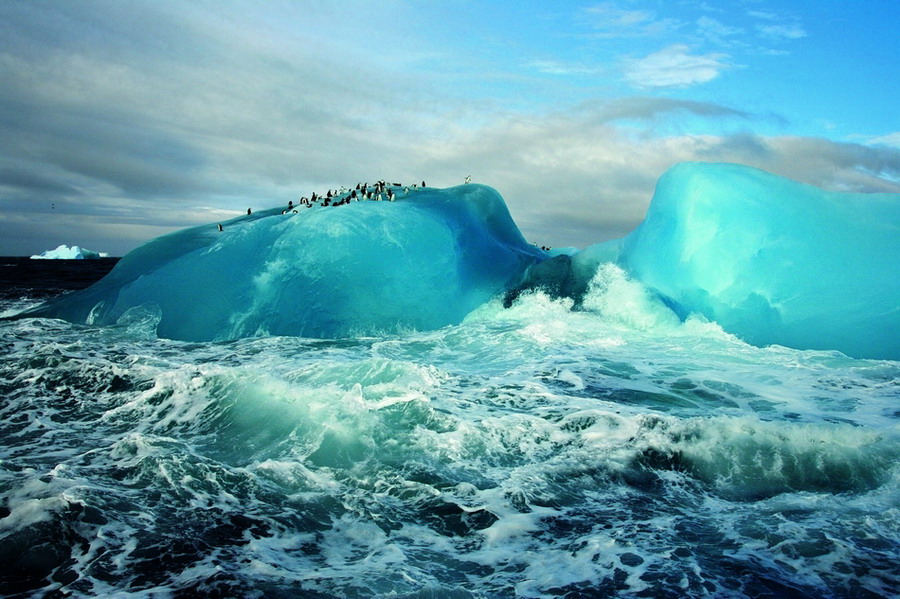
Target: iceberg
[(771, 260), (774, 261), (362, 268), (64, 252)]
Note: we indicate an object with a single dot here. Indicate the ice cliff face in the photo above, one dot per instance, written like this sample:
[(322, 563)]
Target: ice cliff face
[(771, 260)]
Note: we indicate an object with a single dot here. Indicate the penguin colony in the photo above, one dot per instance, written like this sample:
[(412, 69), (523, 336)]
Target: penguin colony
[(380, 191)]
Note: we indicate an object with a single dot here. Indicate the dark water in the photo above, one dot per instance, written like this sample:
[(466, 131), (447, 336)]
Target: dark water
[(40, 279), (527, 452)]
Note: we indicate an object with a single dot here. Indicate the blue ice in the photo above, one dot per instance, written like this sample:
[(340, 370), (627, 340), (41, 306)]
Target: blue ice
[(771, 260), (364, 268)]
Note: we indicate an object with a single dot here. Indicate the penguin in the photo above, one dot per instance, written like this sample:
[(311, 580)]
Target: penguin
[(220, 227)]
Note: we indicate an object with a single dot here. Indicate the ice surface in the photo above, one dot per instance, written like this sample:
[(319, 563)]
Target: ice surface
[(421, 262), (64, 252), (772, 260)]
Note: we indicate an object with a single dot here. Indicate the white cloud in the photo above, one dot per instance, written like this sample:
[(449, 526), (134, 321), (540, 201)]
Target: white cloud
[(674, 66), (891, 139), (778, 26), (608, 20), (555, 67), (609, 16)]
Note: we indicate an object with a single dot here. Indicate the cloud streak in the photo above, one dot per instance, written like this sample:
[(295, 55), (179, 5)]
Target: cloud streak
[(674, 66), (609, 20)]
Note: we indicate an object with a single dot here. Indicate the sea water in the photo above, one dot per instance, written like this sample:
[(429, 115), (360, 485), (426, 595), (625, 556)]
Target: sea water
[(529, 451)]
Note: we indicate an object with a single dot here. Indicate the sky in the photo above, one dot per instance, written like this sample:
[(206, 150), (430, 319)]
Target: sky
[(122, 121)]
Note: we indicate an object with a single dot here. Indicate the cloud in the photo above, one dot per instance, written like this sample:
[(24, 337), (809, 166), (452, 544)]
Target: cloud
[(674, 66), (609, 16), (25, 179), (570, 177), (164, 115), (651, 108), (778, 26), (716, 31), (891, 139), (164, 107), (575, 178), (836, 166), (609, 21), (555, 67)]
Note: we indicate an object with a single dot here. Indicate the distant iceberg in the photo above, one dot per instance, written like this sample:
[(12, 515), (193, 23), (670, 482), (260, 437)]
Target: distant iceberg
[(65, 252), (771, 260)]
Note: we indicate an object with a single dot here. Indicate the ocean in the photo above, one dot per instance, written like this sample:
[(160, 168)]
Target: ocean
[(530, 451)]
